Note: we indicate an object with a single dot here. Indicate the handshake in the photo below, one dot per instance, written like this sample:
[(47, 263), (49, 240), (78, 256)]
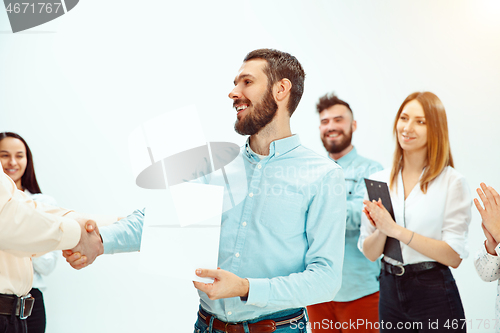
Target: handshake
[(89, 247)]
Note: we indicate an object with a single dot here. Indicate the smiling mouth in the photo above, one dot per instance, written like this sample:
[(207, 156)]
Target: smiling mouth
[(407, 138), (11, 170), (240, 108), (333, 135)]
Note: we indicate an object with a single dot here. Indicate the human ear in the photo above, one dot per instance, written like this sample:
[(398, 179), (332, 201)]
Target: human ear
[(282, 90)]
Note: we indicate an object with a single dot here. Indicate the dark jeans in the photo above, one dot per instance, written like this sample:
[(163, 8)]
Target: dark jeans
[(36, 322), (12, 324), (426, 301)]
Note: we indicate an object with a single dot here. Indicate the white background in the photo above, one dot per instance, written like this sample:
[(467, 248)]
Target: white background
[(76, 87)]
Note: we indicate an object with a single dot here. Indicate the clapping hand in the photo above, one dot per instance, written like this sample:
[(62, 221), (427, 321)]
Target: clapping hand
[(379, 217), (491, 211)]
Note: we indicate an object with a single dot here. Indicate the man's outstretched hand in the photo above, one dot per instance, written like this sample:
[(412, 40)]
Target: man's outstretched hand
[(225, 285), (89, 247)]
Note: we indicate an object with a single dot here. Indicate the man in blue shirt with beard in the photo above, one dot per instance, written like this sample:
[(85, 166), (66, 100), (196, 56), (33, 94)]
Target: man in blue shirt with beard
[(357, 300), (281, 246)]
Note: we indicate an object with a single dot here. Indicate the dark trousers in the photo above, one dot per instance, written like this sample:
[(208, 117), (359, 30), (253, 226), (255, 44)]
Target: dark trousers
[(426, 301), (36, 322), (12, 324)]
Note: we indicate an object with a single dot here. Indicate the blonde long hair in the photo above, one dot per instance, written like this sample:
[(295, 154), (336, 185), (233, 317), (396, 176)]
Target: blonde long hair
[(438, 143)]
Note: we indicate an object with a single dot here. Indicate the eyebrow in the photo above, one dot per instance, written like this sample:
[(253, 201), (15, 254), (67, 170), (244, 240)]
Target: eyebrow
[(243, 76), (17, 152), (415, 117), (336, 117)]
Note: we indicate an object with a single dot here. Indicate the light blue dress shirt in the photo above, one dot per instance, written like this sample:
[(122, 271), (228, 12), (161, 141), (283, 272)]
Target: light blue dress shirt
[(283, 230), (286, 234), (124, 235), (360, 275)]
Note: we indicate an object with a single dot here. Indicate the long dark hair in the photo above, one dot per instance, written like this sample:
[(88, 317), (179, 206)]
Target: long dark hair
[(28, 179)]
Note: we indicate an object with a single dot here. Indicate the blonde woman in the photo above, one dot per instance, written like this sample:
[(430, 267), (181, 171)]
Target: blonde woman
[(432, 209)]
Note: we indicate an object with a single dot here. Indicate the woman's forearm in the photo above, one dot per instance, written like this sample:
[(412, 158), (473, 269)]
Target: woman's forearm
[(373, 246), (435, 249)]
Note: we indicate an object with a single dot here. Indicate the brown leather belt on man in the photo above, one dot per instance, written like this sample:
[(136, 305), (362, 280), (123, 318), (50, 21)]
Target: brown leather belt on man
[(263, 326), (19, 306)]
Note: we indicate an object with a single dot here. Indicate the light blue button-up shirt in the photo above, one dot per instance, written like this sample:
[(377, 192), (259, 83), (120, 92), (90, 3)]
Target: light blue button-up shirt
[(286, 234), (124, 235), (360, 275), (282, 229)]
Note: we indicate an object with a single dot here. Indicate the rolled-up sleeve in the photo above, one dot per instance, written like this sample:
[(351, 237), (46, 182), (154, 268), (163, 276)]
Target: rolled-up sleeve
[(487, 266), (365, 230), (355, 206), (457, 216), (355, 201)]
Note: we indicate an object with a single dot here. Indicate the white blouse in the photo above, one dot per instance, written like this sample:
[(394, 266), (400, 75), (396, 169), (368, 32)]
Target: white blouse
[(443, 213)]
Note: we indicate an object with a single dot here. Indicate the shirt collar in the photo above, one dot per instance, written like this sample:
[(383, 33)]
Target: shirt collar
[(277, 148), (347, 159)]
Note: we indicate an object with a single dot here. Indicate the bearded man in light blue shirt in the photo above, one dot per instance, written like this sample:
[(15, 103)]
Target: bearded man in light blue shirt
[(282, 245), (357, 300), (281, 248)]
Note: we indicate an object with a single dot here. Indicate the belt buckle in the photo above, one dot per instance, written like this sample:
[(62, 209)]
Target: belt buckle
[(22, 306), (402, 270)]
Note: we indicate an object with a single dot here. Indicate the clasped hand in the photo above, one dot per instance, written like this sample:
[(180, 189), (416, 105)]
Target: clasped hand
[(379, 217), (89, 247)]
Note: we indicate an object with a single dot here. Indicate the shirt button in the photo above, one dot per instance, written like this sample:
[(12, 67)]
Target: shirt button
[(250, 195), (244, 224), (229, 313), (277, 154), (237, 255), (259, 166)]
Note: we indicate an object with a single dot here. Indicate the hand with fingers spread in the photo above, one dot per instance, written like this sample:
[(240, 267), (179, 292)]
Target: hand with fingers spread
[(89, 247), (225, 285), (490, 214), (380, 217)]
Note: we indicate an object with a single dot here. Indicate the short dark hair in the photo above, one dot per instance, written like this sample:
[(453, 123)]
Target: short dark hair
[(282, 65), (329, 100), (28, 179)]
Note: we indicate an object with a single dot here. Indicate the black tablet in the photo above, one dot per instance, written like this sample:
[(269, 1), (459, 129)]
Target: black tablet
[(379, 190)]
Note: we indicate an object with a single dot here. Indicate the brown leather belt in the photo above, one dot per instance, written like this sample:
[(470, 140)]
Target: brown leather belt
[(399, 270), (23, 305), (263, 326)]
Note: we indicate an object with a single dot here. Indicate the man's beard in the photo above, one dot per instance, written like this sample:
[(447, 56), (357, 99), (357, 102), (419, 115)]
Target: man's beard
[(258, 118), (337, 147)]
